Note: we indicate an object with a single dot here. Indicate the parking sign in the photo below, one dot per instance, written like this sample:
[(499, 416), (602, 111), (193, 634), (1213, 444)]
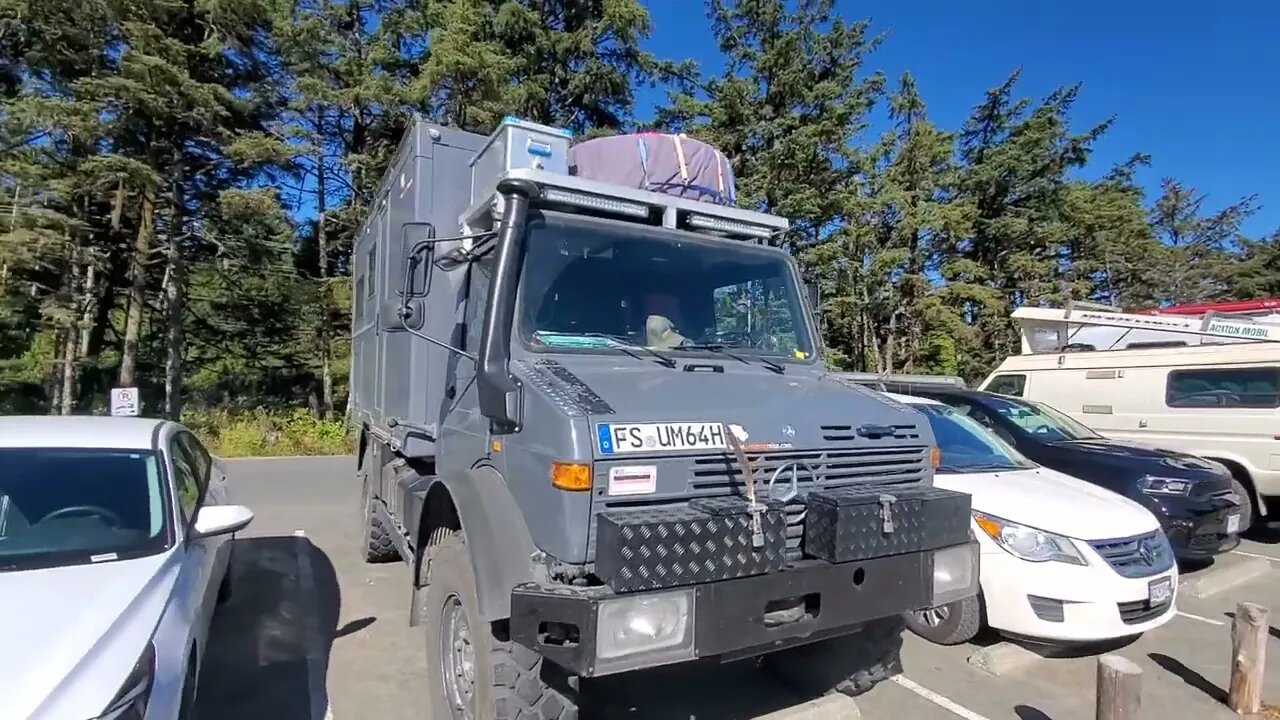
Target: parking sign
[(124, 401)]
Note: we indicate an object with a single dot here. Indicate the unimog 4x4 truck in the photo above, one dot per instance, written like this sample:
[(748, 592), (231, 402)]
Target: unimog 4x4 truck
[(595, 422)]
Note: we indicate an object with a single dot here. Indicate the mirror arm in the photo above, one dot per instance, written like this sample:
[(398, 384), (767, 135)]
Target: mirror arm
[(433, 341)]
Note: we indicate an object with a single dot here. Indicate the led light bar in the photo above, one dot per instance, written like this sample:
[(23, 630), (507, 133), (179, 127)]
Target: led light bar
[(599, 203), (734, 227)]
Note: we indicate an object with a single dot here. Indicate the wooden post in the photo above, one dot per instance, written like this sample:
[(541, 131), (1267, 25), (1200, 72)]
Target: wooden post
[(1248, 658), (1119, 688)]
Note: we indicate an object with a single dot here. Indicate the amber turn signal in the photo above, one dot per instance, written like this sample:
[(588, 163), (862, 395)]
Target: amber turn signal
[(574, 477), (935, 456)]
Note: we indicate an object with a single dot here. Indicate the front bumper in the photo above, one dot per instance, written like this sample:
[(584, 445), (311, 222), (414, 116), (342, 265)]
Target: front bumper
[(1197, 528), (1058, 602), (807, 601)]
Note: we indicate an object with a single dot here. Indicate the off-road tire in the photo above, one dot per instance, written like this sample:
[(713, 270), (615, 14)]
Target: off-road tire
[(963, 621), (1248, 513), (849, 664), (511, 681), (375, 541)]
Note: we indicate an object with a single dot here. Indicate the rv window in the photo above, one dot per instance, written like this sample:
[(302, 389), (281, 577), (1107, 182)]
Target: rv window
[(1252, 387), (371, 269), (1013, 385)]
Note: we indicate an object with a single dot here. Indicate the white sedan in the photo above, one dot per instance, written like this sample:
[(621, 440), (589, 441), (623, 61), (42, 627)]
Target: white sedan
[(1061, 560), (114, 547)]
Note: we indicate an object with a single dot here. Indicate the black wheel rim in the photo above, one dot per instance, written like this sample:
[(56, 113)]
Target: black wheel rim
[(457, 660)]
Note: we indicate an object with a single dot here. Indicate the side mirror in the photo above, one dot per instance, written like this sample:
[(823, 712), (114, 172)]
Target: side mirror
[(214, 520)]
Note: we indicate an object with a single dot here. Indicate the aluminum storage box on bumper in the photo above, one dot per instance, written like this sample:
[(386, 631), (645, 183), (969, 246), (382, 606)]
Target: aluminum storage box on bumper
[(706, 608)]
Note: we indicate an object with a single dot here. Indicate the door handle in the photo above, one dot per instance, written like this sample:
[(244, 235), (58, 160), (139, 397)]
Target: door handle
[(1142, 423)]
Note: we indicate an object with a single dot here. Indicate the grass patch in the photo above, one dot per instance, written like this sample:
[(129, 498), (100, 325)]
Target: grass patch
[(262, 433)]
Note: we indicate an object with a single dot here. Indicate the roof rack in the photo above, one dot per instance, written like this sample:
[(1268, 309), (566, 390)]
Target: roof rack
[(1210, 325), (879, 380)]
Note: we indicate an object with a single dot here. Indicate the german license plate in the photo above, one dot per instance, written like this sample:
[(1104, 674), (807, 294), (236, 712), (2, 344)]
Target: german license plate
[(1160, 590), (1233, 524), (615, 438)]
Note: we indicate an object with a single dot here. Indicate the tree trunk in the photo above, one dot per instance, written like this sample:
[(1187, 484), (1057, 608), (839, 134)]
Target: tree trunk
[(173, 309), (87, 301), (137, 289), (71, 343), (326, 312), (53, 380)]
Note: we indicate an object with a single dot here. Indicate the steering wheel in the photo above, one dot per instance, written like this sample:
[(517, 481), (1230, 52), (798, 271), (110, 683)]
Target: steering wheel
[(112, 519)]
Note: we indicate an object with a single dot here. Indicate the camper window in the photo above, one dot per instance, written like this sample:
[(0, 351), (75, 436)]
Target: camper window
[(1008, 385), (1251, 387)]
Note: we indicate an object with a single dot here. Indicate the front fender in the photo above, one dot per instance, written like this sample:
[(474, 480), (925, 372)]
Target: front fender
[(498, 540)]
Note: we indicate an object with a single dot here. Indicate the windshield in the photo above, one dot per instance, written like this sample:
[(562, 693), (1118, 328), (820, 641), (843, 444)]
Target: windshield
[(1040, 421), (596, 284), (66, 507), (966, 446)]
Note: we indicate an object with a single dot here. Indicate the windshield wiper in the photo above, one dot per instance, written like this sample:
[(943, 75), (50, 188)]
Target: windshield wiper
[(719, 348), (630, 348)]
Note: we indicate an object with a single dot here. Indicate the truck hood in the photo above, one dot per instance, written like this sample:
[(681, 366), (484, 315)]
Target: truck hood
[(73, 633), (799, 408), (1049, 500)]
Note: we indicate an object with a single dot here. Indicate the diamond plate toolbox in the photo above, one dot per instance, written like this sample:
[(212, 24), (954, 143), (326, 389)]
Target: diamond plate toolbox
[(868, 522), (707, 541)]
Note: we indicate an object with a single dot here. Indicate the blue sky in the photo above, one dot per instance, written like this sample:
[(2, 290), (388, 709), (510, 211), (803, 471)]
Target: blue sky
[(1196, 85)]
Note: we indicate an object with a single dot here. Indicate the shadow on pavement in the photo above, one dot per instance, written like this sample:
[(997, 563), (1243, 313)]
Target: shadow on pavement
[(1026, 712), (1189, 676), (703, 690), (1265, 532), (268, 648)]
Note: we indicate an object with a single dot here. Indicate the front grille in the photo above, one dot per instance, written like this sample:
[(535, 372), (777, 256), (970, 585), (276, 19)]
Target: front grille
[(1137, 556), (814, 469), (849, 433), (826, 468), (714, 475), (1140, 611)]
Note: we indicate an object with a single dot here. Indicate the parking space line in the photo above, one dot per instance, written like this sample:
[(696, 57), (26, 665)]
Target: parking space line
[(318, 698), (1255, 555), (1210, 621), (933, 697)]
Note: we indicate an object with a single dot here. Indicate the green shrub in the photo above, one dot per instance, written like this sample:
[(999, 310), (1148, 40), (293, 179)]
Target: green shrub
[(265, 433)]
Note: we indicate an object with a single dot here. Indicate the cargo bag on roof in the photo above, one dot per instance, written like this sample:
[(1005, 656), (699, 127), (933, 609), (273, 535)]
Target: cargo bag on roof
[(672, 164)]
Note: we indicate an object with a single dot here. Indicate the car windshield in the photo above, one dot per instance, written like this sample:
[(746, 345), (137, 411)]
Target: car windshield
[(1040, 421), (73, 506), (595, 285), (965, 446)]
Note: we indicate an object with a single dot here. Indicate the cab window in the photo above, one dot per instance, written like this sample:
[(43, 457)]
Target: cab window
[(1010, 384)]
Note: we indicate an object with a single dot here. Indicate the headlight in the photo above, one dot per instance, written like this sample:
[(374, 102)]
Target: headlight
[(955, 573), (631, 630), (130, 703), (1028, 543), (1152, 485)]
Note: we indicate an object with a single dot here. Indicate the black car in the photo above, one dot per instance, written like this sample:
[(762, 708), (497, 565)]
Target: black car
[(1195, 499)]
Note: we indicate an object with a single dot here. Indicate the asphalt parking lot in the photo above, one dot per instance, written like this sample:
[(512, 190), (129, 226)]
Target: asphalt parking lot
[(313, 632)]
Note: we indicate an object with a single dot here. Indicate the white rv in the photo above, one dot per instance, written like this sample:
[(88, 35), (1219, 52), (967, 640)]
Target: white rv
[(1201, 379)]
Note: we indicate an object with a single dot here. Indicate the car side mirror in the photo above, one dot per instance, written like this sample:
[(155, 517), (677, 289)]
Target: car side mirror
[(214, 520)]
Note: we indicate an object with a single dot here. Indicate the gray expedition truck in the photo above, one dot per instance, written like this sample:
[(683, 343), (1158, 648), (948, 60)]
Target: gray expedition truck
[(595, 423)]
